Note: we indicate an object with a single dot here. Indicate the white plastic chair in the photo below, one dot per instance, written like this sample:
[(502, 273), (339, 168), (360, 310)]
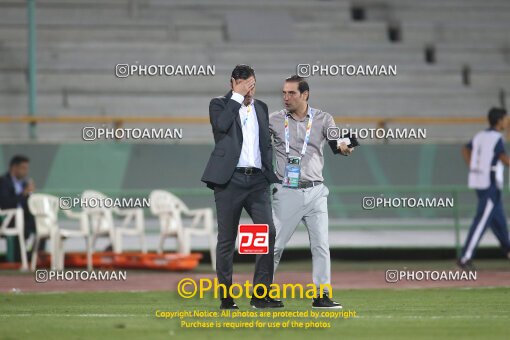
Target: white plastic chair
[(175, 210), (45, 209), (15, 214), (102, 221), (165, 207)]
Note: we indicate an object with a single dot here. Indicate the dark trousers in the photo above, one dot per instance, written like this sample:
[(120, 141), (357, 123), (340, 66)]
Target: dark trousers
[(250, 192), (489, 213)]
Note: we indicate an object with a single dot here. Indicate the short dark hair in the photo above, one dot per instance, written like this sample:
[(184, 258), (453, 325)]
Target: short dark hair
[(302, 84), (242, 71), (18, 159), (495, 115)]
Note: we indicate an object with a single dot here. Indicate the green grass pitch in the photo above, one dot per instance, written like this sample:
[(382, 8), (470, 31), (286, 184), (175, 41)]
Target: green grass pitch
[(382, 313)]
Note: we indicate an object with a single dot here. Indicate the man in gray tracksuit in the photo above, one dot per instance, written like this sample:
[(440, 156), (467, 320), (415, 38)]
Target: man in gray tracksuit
[(299, 133)]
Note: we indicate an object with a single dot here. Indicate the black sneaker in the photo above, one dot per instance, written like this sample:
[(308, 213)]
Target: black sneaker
[(265, 302), (466, 266), (228, 303), (325, 302)]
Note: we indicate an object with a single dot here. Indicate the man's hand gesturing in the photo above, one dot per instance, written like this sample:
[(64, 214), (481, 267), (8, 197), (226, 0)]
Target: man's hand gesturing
[(344, 149)]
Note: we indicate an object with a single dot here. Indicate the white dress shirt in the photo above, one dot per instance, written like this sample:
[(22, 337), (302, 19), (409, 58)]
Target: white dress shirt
[(250, 151)]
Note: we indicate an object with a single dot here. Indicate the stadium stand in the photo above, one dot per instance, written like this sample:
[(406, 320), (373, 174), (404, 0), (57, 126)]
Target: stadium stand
[(81, 41)]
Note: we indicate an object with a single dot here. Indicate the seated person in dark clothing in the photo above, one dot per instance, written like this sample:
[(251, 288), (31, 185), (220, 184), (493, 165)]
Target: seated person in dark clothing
[(15, 188)]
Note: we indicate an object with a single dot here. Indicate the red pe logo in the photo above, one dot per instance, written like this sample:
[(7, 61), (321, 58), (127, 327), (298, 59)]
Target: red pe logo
[(253, 239)]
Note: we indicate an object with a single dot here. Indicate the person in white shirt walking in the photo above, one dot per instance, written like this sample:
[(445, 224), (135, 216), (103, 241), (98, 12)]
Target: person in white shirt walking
[(485, 155)]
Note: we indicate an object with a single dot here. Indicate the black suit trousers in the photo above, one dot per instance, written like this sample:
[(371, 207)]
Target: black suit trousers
[(252, 193)]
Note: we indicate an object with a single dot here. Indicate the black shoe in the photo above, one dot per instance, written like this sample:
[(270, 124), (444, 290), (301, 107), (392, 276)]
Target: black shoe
[(325, 302), (265, 302), (466, 266), (228, 303)]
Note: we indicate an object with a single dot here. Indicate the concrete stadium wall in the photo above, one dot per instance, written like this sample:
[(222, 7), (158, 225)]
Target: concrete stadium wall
[(125, 169), (130, 166)]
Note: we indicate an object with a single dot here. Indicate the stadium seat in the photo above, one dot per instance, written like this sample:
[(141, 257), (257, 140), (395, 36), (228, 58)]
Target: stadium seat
[(18, 230), (171, 211), (45, 209), (102, 222), (165, 208)]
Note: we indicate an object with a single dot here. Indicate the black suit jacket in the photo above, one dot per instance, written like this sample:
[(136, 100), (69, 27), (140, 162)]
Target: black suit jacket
[(9, 199), (228, 139)]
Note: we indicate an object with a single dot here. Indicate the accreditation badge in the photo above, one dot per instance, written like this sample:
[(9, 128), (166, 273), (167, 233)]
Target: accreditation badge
[(292, 172)]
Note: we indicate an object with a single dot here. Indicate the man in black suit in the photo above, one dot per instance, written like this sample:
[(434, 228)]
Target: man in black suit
[(15, 189), (240, 171)]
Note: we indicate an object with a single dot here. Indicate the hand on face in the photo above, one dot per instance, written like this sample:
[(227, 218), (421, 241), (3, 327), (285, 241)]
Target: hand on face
[(245, 87)]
